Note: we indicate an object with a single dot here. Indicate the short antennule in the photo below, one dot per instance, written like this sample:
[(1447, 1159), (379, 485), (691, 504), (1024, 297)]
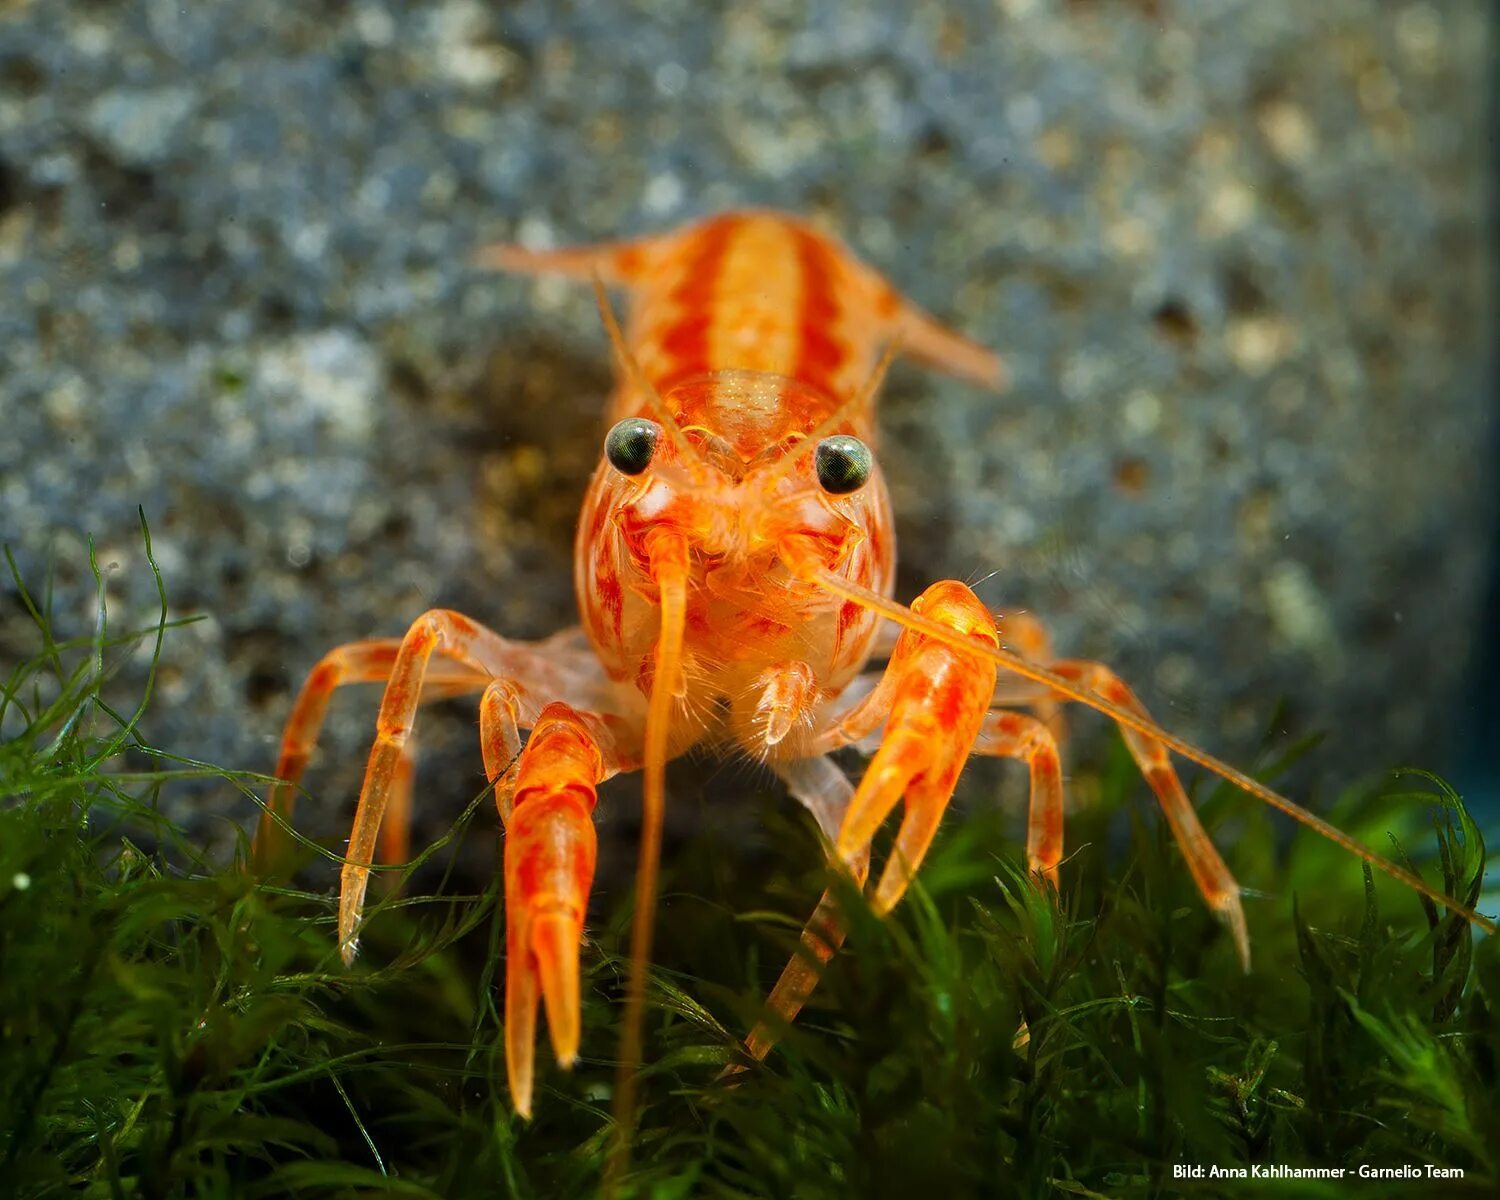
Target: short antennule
[(855, 401), (632, 370)]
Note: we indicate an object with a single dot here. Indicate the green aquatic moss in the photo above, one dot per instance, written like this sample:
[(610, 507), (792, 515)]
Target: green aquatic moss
[(172, 1028)]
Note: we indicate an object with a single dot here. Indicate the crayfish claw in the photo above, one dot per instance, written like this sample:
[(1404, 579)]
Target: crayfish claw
[(555, 940), (550, 849)]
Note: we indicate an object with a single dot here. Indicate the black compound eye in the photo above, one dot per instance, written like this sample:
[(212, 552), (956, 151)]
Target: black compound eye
[(631, 445), (843, 463)]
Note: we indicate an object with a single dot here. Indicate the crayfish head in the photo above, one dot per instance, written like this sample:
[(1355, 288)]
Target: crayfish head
[(739, 469), (744, 475)]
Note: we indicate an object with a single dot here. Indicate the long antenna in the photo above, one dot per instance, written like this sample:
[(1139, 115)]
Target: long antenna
[(1014, 663), (669, 563)]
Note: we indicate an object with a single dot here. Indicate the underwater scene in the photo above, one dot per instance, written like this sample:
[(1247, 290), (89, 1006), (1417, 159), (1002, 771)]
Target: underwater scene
[(921, 580)]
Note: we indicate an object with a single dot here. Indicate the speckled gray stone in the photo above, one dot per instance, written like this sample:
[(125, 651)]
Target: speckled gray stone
[(1235, 253)]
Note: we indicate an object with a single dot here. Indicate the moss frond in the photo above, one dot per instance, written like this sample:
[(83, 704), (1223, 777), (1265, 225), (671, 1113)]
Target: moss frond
[(171, 1028)]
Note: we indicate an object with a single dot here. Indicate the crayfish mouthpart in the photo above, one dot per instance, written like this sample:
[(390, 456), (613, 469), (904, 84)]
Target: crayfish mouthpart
[(788, 692)]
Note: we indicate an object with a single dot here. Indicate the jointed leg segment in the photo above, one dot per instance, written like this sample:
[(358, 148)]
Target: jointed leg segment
[(931, 700), (356, 662), (389, 762), (545, 794), (826, 792), (1007, 734), (471, 658), (1209, 871)]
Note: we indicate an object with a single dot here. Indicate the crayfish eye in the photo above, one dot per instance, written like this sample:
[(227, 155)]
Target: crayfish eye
[(843, 464), (631, 444)]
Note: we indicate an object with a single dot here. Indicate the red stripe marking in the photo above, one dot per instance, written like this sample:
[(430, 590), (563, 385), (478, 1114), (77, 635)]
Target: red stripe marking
[(611, 600), (948, 704), (687, 339), (820, 354), (607, 589), (683, 344), (325, 677), (849, 615), (875, 540)]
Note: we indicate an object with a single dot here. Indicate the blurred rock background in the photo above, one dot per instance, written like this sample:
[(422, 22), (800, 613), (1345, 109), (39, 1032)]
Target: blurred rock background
[(1237, 253)]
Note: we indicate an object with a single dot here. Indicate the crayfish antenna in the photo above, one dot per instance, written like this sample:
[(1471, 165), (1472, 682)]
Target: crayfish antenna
[(809, 567), (669, 560)]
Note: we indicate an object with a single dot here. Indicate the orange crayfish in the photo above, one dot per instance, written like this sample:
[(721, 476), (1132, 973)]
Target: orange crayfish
[(734, 565)]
